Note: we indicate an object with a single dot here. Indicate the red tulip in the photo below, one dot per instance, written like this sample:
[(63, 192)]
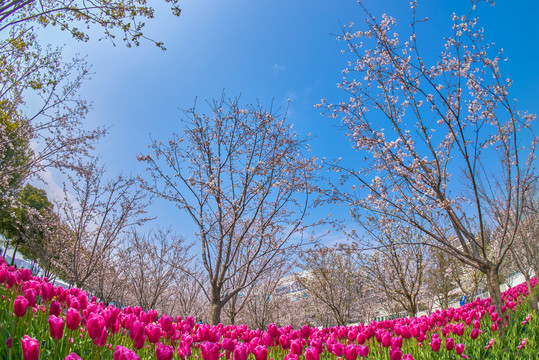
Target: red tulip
[(30, 348), (122, 353), (20, 305), (56, 326)]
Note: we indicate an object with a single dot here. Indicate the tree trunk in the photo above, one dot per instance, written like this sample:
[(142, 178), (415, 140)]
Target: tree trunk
[(533, 299), (216, 306), (5, 250), (14, 253), (495, 295)]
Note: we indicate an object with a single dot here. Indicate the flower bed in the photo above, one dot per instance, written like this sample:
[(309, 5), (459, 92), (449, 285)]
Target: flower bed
[(38, 320)]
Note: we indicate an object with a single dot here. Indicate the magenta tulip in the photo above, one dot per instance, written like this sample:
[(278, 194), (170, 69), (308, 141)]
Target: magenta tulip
[(312, 354), (95, 326), (136, 333), (209, 350), (72, 319), (54, 308), (435, 344), (449, 344), (56, 327), (459, 349), (395, 354), (72, 356), (241, 352), (153, 332), (261, 352), (30, 348), (19, 306), (164, 352), (121, 353), (296, 347)]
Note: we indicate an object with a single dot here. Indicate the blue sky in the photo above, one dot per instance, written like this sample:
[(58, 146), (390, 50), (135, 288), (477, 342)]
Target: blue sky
[(280, 50)]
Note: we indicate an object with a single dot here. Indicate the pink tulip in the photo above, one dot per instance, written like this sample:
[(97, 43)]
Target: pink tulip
[(184, 350), (459, 349), (209, 350), (386, 340), (55, 308), (522, 344), (241, 352), (435, 344), (47, 291), (56, 327), (351, 352), (136, 333), (363, 351), (9, 342), (121, 353), (490, 343), (261, 352), (153, 332), (19, 306), (72, 319), (164, 352), (475, 333), (95, 326), (72, 356), (102, 339), (30, 295), (30, 348), (312, 354), (166, 322), (395, 354), (296, 347), (449, 344)]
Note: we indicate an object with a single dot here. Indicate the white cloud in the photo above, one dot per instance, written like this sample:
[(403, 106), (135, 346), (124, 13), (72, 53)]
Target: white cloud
[(277, 67)]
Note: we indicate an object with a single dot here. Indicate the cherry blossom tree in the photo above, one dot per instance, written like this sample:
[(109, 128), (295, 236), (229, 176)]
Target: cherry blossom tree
[(398, 263), (242, 176), (152, 264), (444, 147), (97, 211), (123, 16), (334, 278), (525, 252)]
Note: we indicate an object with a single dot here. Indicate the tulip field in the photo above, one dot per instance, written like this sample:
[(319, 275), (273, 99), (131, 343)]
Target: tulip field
[(41, 321)]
